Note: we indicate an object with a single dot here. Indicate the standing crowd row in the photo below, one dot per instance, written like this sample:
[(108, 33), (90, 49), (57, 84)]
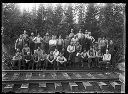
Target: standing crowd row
[(49, 52)]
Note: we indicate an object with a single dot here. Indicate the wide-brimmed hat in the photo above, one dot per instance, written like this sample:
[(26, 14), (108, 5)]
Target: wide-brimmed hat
[(32, 33), (46, 34)]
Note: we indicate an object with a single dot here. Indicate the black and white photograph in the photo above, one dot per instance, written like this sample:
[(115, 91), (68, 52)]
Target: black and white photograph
[(63, 47)]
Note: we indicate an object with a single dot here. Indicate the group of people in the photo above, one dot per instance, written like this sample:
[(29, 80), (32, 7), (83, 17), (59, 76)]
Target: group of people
[(49, 52)]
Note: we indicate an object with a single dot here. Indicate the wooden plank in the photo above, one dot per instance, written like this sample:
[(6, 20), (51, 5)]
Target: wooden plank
[(24, 86), (3, 74), (66, 76), (15, 76), (90, 75), (58, 86), (9, 86), (103, 86), (42, 75), (73, 86), (54, 76), (42, 84), (77, 75), (87, 86), (116, 86), (28, 76)]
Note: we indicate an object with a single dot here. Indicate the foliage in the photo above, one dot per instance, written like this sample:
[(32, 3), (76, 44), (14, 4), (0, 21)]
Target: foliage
[(109, 23)]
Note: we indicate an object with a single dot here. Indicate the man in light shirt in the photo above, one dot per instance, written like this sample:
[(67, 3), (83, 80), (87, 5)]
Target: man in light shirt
[(80, 34), (37, 41), (31, 43), (46, 39), (71, 35), (19, 43), (103, 45), (56, 53), (52, 43), (106, 58), (86, 34), (25, 38), (61, 61), (75, 39), (60, 43), (71, 51)]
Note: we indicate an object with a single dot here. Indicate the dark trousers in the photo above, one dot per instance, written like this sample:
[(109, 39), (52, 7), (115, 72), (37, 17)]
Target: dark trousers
[(61, 66), (84, 62), (71, 59), (30, 65), (52, 48), (37, 45), (103, 50), (16, 64), (32, 47), (59, 47), (50, 65), (42, 64), (20, 47), (46, 47), (91, 62)]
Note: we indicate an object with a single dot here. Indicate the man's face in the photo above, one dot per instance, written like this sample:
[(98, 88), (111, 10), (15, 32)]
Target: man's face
[(32, 34), (38, 35), (20, 36), (24, 32)]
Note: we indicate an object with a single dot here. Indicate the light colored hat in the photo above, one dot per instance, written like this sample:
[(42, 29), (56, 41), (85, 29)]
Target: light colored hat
[(46, 34), (32, 33)]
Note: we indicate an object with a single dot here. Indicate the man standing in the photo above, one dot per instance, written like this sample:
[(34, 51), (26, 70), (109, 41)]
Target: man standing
[(71, 35), (19, 43), (32, 44), (46, 39), (60, 43), (80, 36), (103, 45), (52, 43), (25, 38), (37, 41)]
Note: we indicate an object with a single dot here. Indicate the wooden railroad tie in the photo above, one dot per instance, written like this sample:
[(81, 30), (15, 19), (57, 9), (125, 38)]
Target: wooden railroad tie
[(73, 86), (87, 86)]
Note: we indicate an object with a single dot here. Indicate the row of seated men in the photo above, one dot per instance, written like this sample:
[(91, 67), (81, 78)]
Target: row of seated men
[(57, 60)]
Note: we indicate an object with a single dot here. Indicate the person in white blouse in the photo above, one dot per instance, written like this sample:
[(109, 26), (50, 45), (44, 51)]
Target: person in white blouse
[(52, 43), (37, 41)]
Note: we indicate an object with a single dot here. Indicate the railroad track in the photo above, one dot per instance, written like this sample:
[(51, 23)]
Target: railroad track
[(60, 81)]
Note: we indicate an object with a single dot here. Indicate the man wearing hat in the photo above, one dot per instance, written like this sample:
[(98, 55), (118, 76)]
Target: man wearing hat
[(71, 35), (19, 43), (38, 41), (25, 37), (31, 42), (46, 39)]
